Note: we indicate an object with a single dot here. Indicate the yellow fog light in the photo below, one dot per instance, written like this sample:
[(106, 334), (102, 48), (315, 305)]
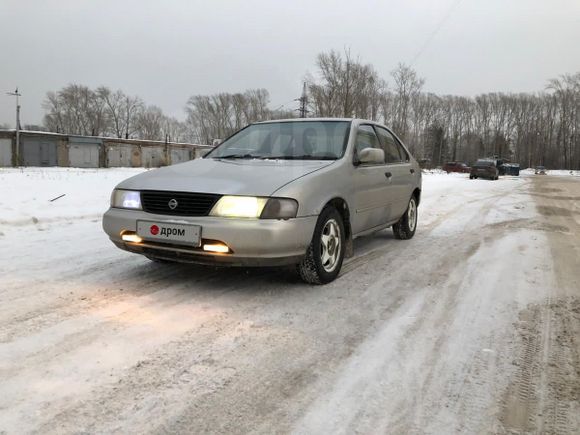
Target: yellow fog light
[(131, 237), (214, 247)]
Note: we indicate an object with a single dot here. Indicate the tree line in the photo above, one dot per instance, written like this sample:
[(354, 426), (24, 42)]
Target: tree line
[(77, 109), (541, 128)]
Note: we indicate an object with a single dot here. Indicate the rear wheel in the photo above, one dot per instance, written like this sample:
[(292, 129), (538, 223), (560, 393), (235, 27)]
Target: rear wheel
[(405, 228), (325, 254)]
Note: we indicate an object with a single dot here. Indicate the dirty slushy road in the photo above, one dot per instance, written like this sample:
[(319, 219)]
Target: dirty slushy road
[(473, 326)]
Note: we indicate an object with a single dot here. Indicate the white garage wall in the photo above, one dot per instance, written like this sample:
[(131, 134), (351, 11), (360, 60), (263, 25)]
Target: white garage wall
[(5, 152)]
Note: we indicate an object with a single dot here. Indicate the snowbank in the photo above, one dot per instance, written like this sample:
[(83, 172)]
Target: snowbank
[(554, 172), (26, 193)]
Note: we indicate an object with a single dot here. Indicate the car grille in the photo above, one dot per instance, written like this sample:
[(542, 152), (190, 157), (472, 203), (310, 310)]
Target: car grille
[(188, 204)]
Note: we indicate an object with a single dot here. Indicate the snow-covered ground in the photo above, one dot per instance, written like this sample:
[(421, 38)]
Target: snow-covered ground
[(553, 172), (27, 193), (471, 327)]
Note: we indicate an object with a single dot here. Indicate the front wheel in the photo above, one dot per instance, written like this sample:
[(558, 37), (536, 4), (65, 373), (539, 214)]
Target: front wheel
[(325, 254), (405, 228)]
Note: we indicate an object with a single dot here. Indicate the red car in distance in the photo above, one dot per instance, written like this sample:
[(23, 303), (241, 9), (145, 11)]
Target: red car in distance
[(456, 167)]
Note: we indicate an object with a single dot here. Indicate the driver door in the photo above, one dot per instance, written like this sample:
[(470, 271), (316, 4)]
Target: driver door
[(372, 185)]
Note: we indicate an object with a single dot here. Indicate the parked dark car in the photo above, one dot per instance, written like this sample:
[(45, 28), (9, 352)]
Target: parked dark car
[(456, 167), (511, 169), (484, 168), (540, 170), (500, 165)]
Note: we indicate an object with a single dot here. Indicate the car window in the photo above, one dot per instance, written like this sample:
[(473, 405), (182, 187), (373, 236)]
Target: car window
[(300, 140), (403, 152), (389, 145), (366, 138)]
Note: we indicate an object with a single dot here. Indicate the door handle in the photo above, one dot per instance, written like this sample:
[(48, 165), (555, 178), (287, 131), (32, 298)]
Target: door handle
[(412, 171), (388, 174)]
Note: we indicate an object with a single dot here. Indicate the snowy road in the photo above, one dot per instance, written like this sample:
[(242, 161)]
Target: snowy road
[(473, 326)]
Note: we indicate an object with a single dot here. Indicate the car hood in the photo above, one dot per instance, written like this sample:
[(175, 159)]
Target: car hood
[(226, 177)]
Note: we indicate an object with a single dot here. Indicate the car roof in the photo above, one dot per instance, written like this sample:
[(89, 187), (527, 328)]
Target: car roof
[(355, 120)]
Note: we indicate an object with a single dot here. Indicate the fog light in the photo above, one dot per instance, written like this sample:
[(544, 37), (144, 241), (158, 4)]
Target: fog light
[(131, 238), (216, 248)]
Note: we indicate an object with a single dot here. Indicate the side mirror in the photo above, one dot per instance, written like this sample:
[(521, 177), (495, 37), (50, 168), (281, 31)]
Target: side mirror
[(371, 156)]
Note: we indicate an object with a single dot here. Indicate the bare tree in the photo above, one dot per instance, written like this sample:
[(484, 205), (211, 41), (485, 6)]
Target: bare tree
[(407, 86), (131, 108), (344, 87), (114, 103), (533, 129), (218, 116)]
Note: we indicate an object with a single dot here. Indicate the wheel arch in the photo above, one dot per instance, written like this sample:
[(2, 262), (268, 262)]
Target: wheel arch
[(343, 209), (341, 206), (417, 195)]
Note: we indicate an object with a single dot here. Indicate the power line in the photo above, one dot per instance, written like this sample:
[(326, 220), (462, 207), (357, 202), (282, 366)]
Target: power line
[(303, 102), (437, 29), (280, 106), (17, 95)]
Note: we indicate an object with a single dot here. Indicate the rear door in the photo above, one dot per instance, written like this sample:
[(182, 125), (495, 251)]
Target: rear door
[(372, 186), (398, 165)]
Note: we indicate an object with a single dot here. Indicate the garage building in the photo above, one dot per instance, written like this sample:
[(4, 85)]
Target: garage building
[(83, 152)]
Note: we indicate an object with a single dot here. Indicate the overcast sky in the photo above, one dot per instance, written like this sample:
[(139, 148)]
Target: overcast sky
[(165, 51)]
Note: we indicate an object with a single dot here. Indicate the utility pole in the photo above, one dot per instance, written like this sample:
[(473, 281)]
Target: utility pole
[(303, 102), (17, 95)]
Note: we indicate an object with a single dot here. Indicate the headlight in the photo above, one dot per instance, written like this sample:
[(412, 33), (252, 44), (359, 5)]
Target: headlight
[(280, 208), (255, 207), (239, 206), (126, 199)]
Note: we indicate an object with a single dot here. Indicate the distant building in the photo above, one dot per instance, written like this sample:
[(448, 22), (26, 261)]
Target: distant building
[(53, 149)]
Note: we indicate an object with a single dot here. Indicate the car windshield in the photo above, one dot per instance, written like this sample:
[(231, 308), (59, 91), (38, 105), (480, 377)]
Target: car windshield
[(484, 163), (295, 140)]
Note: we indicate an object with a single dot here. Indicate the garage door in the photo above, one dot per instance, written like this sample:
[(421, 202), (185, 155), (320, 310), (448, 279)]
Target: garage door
[(84, 156), (5, 152), (119, 156), (153, 157), (180, 155), (38, 152)]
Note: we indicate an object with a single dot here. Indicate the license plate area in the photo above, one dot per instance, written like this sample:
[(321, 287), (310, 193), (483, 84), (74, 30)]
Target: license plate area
[(169, 232)]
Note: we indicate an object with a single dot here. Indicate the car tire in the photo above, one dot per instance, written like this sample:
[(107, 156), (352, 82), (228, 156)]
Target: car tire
[(405, 228), (325, 254), (471, 177)]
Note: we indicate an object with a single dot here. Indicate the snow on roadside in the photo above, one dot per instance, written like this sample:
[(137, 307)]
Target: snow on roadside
[(444, 193), (26, 193), (554, 172)]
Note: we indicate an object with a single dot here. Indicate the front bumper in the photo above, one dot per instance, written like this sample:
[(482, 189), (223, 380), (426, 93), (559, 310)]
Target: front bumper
[(253, 242)]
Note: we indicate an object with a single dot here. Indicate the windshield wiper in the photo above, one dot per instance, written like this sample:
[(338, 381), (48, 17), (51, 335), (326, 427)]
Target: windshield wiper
[(239, 156), (303, 157)]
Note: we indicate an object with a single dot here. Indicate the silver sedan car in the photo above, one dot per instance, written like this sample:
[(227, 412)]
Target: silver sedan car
[(275, 193)]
